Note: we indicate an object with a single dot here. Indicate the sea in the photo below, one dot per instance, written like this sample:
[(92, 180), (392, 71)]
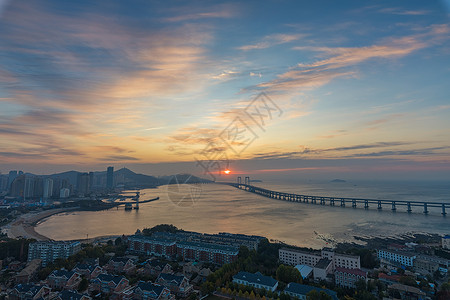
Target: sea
[(214, 208)]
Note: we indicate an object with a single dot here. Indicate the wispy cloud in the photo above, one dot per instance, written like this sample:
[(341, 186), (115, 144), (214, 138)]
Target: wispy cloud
[(272, 40), (405, 12)]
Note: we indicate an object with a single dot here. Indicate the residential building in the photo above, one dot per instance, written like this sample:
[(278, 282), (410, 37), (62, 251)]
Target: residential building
[(167, 245), (426, 264), (29, 272), (297, 257), (407, 292), (29, 291), (63, 279), (110, 177), (346, 261), (83, 184), (48, 188), (120, 265), (256, 280), (157, 246), (49, 251), (205, 252), (397, 257), (446, 242), (348, 277), (71, 295), (322, 269), (388, 279), (64, 193), (90, 271), (109, 284), (300, 291), (178, 285), (151, 291), (155, 267), (11, 176)]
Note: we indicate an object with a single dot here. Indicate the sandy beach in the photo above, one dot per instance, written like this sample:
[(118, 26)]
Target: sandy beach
[(23, 226)]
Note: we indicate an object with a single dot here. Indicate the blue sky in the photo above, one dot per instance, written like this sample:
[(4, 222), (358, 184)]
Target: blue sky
[(362, 87)]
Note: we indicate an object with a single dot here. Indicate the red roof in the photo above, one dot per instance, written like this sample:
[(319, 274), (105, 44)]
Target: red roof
[(389, 277), (352, 271)]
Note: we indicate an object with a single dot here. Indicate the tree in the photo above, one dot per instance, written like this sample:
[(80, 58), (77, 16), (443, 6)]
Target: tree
[(193, 296), (361, 285), (408, 280), (315, 295), (288, 274), (84, 283)]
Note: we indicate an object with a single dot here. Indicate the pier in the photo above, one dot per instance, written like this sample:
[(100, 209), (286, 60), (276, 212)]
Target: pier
[(340, 201)]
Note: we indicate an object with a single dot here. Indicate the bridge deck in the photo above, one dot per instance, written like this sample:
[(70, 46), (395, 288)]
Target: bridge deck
[(342, 201)]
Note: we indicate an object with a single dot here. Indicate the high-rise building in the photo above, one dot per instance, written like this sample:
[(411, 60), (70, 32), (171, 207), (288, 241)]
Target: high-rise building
[(17, 186), (83, 184), (64, 193), (3, 182), (49, 251), (110, 178), (48, 188), (12, 175), (91, 180)]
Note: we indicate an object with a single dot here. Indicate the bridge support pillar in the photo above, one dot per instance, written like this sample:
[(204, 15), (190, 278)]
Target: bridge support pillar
[(332, 201), (409, 207), (366, 204), (443, 210), (342, 202), (379, 205), (354, 203), (393, 206), (425, 208)]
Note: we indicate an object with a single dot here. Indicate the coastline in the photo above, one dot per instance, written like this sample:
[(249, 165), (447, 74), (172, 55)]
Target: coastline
[(24, 225)]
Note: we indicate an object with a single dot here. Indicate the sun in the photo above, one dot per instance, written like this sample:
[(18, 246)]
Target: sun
[(227, 171)]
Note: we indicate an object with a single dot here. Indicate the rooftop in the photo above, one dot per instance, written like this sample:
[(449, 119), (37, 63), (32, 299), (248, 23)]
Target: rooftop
[(323, 263), (304, 270), (209, 246), (351, 271), (257, 278), (404, 253), (302, 251), (302, 289)]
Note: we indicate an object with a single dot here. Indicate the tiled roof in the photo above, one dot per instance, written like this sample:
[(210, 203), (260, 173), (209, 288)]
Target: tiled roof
[(28, 288), (108, 278), (123, 260), (62, 273), (257, 278), (351, 271), (171, 277), (151, 287), (69, 295), (156, 263), (81, 266), (302, 289)]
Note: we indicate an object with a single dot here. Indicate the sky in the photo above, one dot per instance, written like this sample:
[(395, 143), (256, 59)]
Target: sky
[(347, 89)]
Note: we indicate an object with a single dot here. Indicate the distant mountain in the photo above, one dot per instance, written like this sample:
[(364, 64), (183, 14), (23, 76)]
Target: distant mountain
[(182, 178), (72, 176), (338, 180), (131, 179)]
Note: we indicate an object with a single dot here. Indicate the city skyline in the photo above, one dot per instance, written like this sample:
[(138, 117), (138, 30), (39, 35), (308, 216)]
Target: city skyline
[(362, 87)]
